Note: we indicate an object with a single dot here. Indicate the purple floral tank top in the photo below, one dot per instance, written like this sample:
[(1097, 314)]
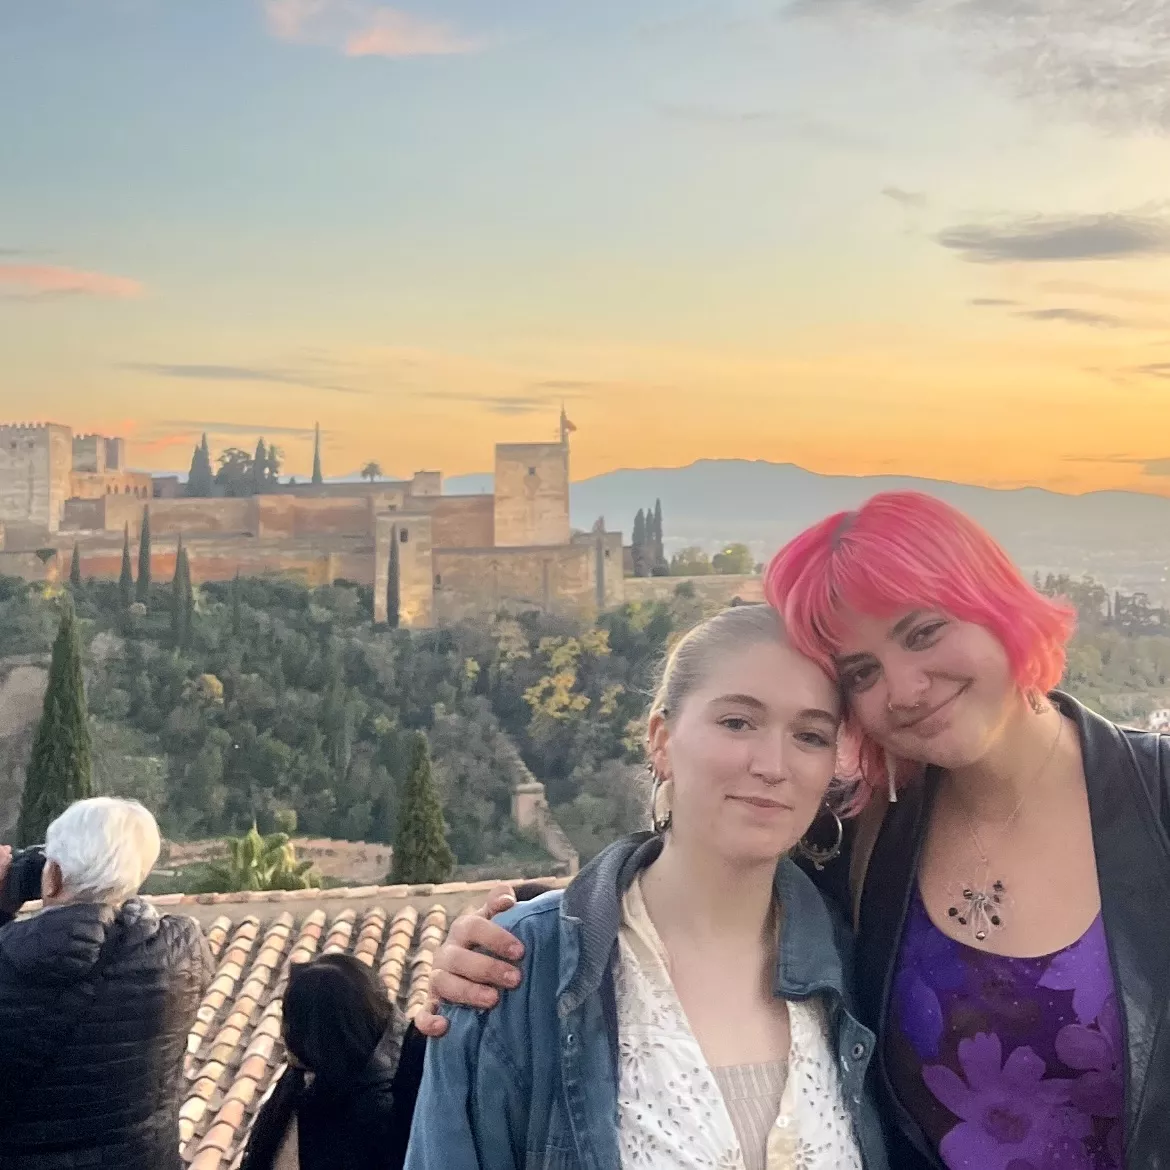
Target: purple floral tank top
[(1008, 1064)]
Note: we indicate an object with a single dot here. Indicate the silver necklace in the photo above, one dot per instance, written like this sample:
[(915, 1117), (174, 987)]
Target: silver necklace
[(980, 905)]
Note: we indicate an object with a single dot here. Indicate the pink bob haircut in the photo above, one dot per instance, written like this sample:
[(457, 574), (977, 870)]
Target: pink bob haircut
[(901, 551)]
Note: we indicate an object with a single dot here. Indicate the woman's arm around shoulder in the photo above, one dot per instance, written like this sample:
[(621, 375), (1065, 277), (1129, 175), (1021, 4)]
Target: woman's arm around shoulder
[(473, 1103)]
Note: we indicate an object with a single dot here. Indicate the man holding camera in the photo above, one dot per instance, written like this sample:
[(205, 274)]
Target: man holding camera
[(97, 995)]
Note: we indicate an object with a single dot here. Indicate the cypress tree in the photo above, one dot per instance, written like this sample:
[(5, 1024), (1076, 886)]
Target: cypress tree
[(659, 551), (421, 852), (126, 578), (142, 591), (237, 612), (200, 480), (260, 469), (75, 568), (188, 601), (638, 544), (393, 583), (180, 600), (317, 477), (60, 767)]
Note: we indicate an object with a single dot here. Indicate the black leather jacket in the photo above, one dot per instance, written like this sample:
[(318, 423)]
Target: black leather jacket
[(1128, 778)]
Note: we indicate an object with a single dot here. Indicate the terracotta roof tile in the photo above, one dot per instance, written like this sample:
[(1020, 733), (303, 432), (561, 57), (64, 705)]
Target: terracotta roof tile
[(234, 1051)]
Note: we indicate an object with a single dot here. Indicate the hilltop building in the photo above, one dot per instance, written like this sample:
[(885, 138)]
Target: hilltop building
[(459, 555)]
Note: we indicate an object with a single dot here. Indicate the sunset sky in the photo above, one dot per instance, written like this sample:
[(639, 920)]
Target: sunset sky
[(928, 237)]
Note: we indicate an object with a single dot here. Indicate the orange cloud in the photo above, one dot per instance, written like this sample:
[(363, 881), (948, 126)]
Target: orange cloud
[(396, 34), (49, 280), (358, 28)]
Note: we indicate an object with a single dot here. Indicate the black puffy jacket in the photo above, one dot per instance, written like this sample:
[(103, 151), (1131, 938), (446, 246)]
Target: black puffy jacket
[(90, 1067)]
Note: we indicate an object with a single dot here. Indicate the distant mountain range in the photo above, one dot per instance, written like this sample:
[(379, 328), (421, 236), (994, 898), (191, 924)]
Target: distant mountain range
[(1122, 538)]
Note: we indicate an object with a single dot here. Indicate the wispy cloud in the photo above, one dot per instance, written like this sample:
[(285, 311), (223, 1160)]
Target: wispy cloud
[(35, 281), (1134, 296), (358, 28), (1076, 317), (1159, 465), (991, 302), (1041, 239), (1156, 370), (202, 372), (1105, 61), (566, 386), (189, 427), (509, 405), (904, 197), (790, 123)]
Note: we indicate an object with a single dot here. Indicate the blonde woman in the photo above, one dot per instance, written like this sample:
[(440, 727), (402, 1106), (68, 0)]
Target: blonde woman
[(685, 1002)]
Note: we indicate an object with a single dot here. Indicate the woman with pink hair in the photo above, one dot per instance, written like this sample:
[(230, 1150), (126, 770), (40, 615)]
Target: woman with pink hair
[(1005, 863)]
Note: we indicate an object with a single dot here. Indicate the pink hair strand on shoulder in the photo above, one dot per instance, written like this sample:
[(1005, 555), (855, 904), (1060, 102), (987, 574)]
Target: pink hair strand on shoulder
[(909, 550)]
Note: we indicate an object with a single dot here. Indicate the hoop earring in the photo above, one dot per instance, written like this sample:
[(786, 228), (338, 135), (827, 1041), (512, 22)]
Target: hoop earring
[(819, 856), (658, 824)]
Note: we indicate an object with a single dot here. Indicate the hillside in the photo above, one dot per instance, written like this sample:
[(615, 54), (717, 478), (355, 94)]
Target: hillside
[(1121, 538)]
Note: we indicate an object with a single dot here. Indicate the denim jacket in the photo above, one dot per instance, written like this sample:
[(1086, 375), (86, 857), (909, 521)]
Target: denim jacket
[(533, 1083)]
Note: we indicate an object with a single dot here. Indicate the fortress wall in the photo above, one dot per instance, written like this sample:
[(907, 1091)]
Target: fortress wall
[(84, 515), (557, 579), (85, 485), (293, 516), (463, 521), (191, 517)]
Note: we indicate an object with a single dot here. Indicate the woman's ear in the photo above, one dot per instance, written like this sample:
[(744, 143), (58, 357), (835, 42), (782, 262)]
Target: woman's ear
[(657, 740), (52, 883)]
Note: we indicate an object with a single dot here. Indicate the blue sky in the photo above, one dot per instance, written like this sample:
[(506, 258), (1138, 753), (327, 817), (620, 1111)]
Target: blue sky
[(879, 235)]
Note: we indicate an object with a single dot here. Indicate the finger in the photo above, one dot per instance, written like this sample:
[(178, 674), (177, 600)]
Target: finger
[(478, 932), (476, 967), (429, 1022), (501, 898), (453, 989)]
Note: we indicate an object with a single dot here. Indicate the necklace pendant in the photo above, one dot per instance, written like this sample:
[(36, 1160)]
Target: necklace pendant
[(980, 909)]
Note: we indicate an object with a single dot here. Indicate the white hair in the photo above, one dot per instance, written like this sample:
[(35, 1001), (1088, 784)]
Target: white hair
[(105, 848)]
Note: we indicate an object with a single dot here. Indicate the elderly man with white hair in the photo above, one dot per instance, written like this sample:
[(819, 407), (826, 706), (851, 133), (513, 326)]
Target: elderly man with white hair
[(97, 995)]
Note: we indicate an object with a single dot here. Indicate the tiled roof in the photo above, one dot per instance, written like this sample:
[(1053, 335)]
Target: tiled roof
[(234, 1051)]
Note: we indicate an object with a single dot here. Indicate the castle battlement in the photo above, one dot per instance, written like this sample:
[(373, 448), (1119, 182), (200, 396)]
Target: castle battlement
[(25, 427)]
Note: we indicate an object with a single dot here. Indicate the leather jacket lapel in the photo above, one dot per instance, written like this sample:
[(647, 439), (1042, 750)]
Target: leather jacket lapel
[(1133, 868)]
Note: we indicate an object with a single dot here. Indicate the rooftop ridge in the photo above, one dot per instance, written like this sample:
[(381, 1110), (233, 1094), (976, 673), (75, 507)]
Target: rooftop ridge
[(387, 893)]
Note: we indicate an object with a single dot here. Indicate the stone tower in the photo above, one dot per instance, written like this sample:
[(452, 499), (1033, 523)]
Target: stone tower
[(532, 492), (36, 470)]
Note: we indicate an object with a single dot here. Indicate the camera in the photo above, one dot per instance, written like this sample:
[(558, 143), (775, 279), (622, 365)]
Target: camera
[(23, 883)]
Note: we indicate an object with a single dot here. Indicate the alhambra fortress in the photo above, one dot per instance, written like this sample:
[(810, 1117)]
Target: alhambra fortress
[(459, 555)]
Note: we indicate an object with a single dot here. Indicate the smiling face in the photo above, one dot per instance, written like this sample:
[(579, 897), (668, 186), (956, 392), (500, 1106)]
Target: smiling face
[(927, 687), (750, 752)]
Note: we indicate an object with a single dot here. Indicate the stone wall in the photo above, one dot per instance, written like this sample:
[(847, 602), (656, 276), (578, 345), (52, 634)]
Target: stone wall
[(713, 589), (356, 863), (22, 692), (531, 494), (191, 517), (470, 582), (463, 521), (530, 811), (84, 515), (290, 516), (86, 485)]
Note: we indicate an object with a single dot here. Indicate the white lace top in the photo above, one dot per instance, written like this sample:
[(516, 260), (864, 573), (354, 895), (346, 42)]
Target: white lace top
[(671, 1114)]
